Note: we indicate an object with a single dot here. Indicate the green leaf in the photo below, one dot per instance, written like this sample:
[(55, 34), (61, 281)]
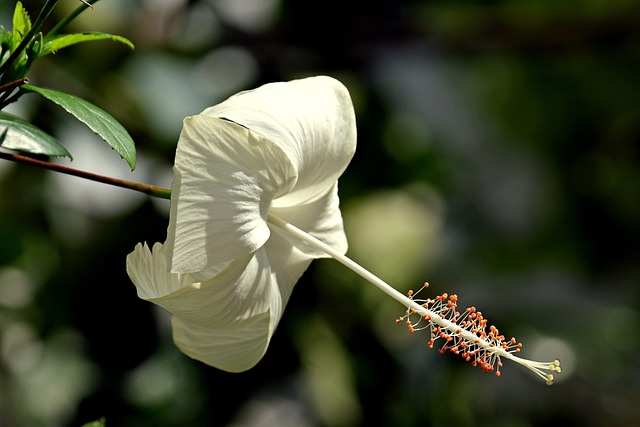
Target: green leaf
[(102, 422), (5, 39), (57, 42), (98, 120), (21, 24), (35, 48), (20, 135)]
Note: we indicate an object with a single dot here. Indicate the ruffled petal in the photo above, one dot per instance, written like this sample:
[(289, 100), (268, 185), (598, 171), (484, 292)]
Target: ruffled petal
[(239, 345), (226, 322), (226, 177), (148, 269), (312, 120)]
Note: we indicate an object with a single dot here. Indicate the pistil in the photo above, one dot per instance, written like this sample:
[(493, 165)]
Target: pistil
[(467, 334)]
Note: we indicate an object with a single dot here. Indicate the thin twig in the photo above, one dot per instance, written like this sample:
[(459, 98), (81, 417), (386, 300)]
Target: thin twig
[(14, 84), (152, 190)]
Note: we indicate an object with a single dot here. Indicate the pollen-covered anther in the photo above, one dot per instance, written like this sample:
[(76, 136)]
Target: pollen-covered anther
[(469, 335)]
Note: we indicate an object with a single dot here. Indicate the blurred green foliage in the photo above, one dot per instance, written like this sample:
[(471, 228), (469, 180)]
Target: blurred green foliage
[(498, 158)]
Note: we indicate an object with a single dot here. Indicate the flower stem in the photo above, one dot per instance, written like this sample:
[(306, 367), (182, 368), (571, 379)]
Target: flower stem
[(151, 190), (490, 349)]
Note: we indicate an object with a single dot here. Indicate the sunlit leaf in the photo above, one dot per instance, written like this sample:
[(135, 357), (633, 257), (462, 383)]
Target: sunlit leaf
[(57, 42), (98, 120), (21, 24), (20, 135)]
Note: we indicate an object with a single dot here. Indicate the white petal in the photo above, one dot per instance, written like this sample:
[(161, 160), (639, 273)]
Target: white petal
[(227, 321), (320, 218), (287, 262), (239, 345), (232, 350), (225, 180), (148, 272), (311, 120)]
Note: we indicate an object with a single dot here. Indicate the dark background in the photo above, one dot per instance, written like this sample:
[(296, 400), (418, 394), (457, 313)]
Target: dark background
[(497, 158)]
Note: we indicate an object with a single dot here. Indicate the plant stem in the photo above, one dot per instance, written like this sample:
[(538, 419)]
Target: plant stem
[(71, 16), (14, 84), (7, 96), (151, 190)]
